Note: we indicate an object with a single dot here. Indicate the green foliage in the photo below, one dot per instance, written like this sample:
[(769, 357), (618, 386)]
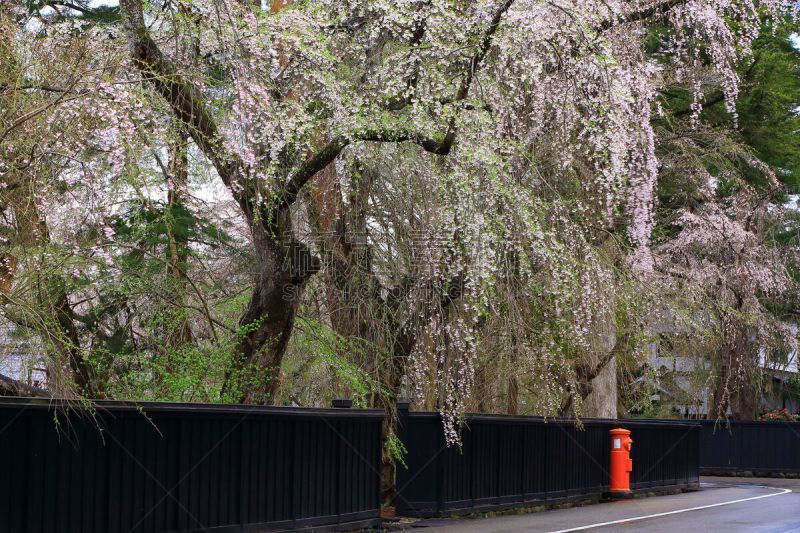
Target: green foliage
[(246, 377), (790, 389), (767, 107), (190, 373), (768, 117), (334, 365), (151, 225), (396, 449)]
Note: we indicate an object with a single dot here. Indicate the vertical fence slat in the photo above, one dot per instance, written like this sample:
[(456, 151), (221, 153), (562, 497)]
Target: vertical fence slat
[(181, 467)]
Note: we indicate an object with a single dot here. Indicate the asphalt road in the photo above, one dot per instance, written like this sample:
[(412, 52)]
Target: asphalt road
[(723, 504)]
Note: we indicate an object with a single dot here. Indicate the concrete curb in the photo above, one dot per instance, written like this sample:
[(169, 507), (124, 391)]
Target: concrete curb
[(402, 524)]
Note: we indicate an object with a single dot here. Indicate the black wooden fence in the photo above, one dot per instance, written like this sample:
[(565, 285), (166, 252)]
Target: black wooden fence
[(730, 447), (155, 467), (525, 461), (181, 467)]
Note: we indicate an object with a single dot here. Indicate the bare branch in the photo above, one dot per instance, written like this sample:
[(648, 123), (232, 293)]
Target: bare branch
[(331, 151), (75, 7), (13, 387)]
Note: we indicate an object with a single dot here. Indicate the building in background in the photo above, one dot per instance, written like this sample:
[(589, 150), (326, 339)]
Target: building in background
[(682, 379), (21, 356)]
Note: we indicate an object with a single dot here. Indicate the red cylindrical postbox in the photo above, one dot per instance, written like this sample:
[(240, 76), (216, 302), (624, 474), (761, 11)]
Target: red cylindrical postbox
[(621, 463)]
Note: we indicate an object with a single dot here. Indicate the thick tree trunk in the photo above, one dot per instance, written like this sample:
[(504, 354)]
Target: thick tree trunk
[(57, 324), (588, 371), (599, 381), (734, 388), (356, 306), (512, 401), (403, 347), (512, 390), (720, 397), (745, 402), (601, 402), (67, 344), (283, 266)]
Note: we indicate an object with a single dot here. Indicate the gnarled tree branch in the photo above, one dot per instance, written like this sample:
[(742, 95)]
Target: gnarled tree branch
[(13, 387), (331, 151), (187, 103)]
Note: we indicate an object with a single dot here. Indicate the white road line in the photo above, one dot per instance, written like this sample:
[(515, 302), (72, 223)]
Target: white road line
[(635, 518)]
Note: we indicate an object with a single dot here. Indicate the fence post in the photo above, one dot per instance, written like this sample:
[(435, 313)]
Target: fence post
[(403, 407), (342, 403), (341, 478)]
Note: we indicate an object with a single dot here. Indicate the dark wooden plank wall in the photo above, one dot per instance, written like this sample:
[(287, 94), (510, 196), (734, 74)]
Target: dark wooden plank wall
[(508, 461), (179, 467)]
